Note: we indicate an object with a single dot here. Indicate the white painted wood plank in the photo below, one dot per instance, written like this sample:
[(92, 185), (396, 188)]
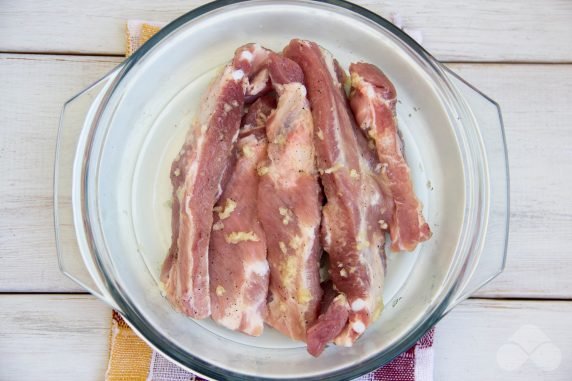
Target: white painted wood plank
[(535, 101), (533, 98), (52, 337), (486, 30), (505, 340), (32, 94)]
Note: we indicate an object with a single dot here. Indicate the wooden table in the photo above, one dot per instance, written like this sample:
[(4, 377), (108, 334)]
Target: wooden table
[(517, 52)]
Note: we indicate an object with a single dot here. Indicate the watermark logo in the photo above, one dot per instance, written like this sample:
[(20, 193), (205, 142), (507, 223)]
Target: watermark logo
[(529, 343)]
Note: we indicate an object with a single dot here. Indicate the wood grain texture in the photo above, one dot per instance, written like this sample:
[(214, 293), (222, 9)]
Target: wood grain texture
[(53, 337), (533, 98), (535, 101), (68, 337), (486, 30), (505, 340), (32, 94)]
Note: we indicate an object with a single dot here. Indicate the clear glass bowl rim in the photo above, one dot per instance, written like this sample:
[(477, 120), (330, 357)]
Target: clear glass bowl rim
[(186, 360)]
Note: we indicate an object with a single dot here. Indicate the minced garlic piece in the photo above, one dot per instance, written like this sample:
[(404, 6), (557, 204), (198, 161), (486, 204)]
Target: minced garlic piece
[(371, 145), (237, 237), (333, 169), (382, 224), (320, 134), (280, 139), (220, 290), (354, 174), (282, 247), (229, 207), (177, 172), (262, 171), (304, 296), (247, 151), (371, 133), (362, 244), (286, 213), (288, 270), (218, 226), (296, 242), (343, 273)]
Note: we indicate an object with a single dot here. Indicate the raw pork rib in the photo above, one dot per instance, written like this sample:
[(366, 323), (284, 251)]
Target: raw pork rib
[(196, 177), (373, 100), (333, 318), (351, 231), (237, 257), (289, 205)]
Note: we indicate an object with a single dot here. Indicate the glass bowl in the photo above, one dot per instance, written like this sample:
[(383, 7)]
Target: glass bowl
[(118, 137)]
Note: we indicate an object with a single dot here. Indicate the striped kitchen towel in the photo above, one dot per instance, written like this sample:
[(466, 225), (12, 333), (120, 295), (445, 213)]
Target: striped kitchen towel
[(131, 359)]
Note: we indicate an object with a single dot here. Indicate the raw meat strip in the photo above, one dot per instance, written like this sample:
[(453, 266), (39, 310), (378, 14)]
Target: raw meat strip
[(351, 232), (289, 203), (373, 99), (333, 318), (237, 256), (196, 176)]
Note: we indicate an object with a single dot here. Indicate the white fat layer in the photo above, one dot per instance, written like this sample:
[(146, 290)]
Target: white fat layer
[(358, 305), (259, 82), (243, 308), (343, 340), (375, 199), (358, 327), (369, 90), (246, 55), (309, 236), (258, 267), (237, 75), (329, 60), (235, 137)]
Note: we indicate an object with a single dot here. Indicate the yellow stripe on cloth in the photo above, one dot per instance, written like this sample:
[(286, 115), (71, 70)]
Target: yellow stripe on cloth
[(129, 356), (138, 32), (147, 31)]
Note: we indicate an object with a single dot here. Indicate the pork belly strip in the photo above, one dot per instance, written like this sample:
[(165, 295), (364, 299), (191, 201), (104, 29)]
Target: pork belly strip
[(372, 100), (237, 257), (289, 205), (196, 177), (351, 233)]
